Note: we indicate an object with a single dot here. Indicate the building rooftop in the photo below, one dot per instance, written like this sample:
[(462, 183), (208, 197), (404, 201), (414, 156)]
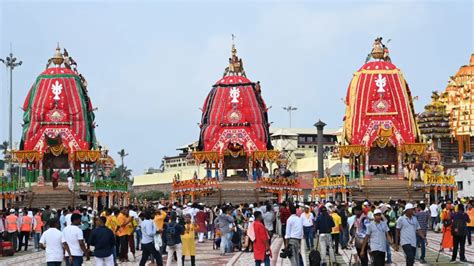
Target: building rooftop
[(276, 131)]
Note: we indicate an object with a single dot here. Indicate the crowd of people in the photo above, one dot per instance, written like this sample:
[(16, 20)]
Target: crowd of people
[(171, 231)]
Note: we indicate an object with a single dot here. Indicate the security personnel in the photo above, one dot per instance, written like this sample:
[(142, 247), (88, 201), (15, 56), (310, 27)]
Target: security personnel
[(12, 227), (38, 227), (26, 227)]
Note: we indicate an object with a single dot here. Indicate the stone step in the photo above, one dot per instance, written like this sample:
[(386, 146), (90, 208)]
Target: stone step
[(237, 192), (386, 189), (45, 195)]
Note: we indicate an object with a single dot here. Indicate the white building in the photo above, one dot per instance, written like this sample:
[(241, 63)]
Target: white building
[(299, 145), (464, 176)]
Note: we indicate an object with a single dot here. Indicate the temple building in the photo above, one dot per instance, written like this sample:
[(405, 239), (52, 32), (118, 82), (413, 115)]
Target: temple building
[(58, 139), (457, 148), (381, 138), (459, 100)]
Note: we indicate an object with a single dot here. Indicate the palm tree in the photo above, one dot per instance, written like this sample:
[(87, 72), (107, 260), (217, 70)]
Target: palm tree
[(4, 146), (122, 155)]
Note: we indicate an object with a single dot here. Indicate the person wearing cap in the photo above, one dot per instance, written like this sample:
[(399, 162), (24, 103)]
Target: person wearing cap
[(12, 224), (201, 222), (446, 219), (159, 221), (378, 236), (27, 224), (307, 219), (359, 232), (324, 226), (407, 230), (188, 245)]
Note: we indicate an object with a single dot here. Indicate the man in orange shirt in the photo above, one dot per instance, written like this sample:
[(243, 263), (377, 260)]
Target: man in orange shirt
[(26, 227), (124, 231), (12, 226), (37, 229), (470, 225)]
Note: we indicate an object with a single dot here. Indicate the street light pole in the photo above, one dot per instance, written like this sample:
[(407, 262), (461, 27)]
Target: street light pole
[(320, 127), (290, 109), (10, 62)]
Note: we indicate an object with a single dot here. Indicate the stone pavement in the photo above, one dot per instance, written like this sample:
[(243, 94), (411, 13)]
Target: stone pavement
[(398, 258), (205, 255)]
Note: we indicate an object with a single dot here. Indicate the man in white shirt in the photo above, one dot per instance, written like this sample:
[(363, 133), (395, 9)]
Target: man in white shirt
[(148, 246), (51, 242), (73, 242), (293, 236), (68, 217), (434, 215)]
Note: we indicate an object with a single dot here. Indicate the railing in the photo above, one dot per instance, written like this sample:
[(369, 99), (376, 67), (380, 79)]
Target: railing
[(329, 182), (110, 185), (279, 185), (195, 184), (437, 182), (8, 187), (279, 182), (332, 185)]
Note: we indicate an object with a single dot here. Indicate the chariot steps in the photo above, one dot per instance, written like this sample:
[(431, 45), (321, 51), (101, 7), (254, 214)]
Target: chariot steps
[(236, 192), (40, 196), (387, 189)]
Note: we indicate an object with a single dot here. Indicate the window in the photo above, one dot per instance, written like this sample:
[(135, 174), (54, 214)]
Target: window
[(460, 185)]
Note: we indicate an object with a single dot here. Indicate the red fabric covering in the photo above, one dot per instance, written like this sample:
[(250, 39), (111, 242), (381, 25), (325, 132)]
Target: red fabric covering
[(378, 98), (234, 113), (69, 115)]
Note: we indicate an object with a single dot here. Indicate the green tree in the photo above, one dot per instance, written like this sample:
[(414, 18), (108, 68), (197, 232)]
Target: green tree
[(122, 155), (125, 173), (4, 147)]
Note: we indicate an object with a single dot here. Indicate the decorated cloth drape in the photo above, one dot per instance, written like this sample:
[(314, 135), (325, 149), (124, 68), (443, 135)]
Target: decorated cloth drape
[(279, 185), (234, 113), (58, 105), (379, 107), (351, 150)]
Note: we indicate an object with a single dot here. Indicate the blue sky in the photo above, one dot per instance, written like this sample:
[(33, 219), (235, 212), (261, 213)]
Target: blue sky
[(150, 64)]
